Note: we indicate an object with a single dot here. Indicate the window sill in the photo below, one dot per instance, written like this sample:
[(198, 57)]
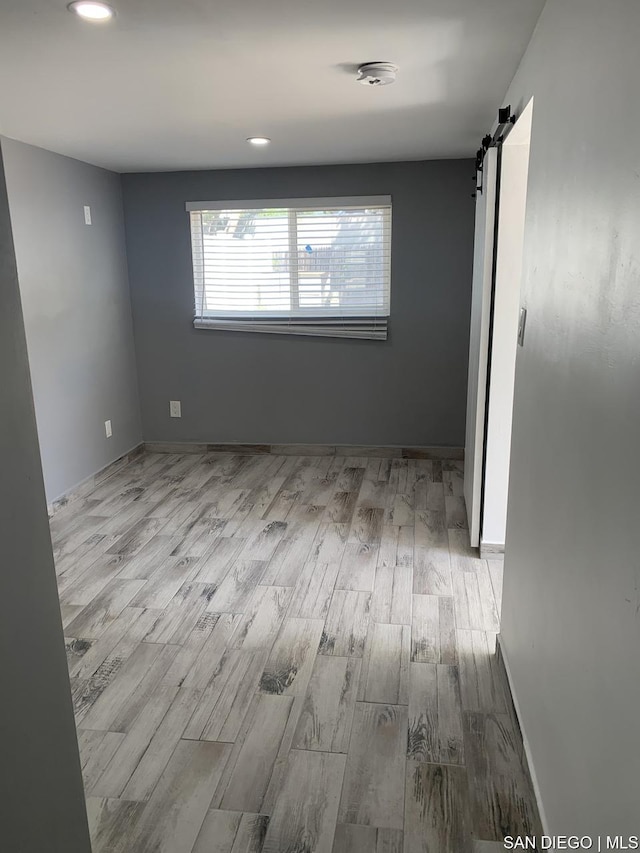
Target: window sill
[(364, 329)]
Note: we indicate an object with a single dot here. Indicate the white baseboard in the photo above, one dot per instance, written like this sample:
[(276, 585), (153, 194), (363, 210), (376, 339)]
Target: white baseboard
[(525, 741), (383, 451)]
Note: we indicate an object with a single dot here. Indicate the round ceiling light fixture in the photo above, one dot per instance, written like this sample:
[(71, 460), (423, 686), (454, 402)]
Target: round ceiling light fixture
[(377, 73), (91, 11), (258, 140)]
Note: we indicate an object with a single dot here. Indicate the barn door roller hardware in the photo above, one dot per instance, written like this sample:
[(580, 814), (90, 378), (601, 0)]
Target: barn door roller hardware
[(506, 120)]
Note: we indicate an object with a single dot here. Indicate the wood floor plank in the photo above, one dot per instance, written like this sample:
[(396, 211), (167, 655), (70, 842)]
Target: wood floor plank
[(341, 507), (385, 665), (449, 715), (447, 628), (350, 838), (235, 591), (137, 536), (254, 755), (213, 567), (495, 571), (231, 832), (96, 757), (116, 644), (200, 656), (436, 810), (175, 722), (435, 717), (117, 706), (480, 686), (346, 625), (329, 544), (435, 497), (456, 512), (502, 796), (265, 540), (350, 478), (69, 613), (466, 597), (375, 495), (327, 714), (433, 637), (453, 482), (367, 526), (83, 589), (112, 823), (401, 512), (405, 552), (391, 600), (358, 567), (165, 583), (313, 590), (218, 832), (181, 614), (263, 618), (196, 537), (464, 558), (304, 817), (145, 562), (105, 608), (388, 551), (292, 552), (425, 629), (290, 663), (432, 567), (490, 615), (281, 505), (76, 650), (228, 696), (76, 533), (171, 820), (145, 771), (373, 790), (113, 780)]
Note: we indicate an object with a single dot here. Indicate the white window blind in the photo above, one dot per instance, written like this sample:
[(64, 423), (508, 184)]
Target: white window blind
[(293, 266)]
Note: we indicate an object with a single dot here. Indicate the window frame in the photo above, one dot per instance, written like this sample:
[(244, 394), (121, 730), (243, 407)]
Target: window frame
[(315, 322)]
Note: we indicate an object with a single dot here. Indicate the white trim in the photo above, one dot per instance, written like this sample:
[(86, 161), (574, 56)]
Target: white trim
[(525, 743), (291, 203), (388, 451)]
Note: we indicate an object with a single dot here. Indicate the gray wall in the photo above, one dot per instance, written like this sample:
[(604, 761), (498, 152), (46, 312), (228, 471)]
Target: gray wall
[(571, 607), (236, 386), (41, 795), (77, 310)]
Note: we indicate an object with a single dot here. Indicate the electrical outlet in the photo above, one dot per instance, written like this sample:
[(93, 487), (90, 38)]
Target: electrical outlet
[(175, 409), (107, 429), (87, 215)]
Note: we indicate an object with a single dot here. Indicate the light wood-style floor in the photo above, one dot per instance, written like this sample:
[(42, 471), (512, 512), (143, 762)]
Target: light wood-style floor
[(288, 655)]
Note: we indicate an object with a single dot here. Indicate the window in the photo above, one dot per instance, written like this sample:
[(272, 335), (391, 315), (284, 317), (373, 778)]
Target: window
[(303, 267)]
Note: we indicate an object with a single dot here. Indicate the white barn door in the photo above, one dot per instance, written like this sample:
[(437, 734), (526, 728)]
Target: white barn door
[(479, 344)]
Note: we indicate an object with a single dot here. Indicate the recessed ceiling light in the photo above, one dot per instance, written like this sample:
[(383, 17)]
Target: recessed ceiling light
[(91, 11), (258, 140)]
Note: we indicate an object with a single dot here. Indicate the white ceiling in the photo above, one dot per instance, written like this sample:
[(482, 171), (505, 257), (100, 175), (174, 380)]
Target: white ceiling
[(179, 85)]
